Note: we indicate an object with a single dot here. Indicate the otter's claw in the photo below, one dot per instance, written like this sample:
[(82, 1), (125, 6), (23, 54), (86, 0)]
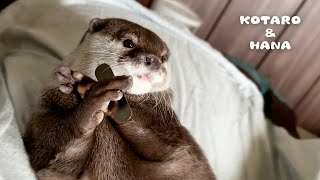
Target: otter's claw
[(67, 79)]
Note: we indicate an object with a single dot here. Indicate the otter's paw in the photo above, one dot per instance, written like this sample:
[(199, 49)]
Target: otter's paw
[(101, 93), (98, 97), (67, 78)]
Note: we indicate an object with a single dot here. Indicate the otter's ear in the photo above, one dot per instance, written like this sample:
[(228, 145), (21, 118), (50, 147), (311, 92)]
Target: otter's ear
[(96, 25)]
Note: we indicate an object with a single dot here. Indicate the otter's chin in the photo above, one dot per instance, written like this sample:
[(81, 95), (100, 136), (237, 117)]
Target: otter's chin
[(143, 84), (145, 80)]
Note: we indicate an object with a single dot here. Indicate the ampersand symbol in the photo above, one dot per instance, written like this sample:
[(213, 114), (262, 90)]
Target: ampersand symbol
[(270, 33)]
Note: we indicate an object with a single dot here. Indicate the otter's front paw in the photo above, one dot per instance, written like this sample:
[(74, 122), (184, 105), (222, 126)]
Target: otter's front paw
[(96, 101), (67, 79)]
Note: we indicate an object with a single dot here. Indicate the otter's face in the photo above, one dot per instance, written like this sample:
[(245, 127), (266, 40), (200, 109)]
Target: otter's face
[(128, 49)]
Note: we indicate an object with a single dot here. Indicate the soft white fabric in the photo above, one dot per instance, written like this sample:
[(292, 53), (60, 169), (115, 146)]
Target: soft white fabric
[(221, 108)]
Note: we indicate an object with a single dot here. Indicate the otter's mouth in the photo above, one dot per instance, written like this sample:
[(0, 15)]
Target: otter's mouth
[(150, 78), (145, 80), (144, 77)]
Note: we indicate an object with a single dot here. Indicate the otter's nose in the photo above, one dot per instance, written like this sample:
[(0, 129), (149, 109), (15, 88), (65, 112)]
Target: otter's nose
[(153, 62)]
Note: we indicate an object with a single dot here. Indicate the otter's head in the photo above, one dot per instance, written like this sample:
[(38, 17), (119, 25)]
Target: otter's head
[(129, 49)]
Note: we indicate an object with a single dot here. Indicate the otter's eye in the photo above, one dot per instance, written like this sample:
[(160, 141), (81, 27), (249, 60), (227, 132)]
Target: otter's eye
[(128, 43)]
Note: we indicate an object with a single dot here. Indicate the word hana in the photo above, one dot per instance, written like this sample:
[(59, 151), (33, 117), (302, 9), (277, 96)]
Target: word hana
[(273, 45)]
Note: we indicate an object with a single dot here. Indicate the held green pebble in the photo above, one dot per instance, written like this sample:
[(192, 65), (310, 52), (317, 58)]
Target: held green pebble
[(124, 112)]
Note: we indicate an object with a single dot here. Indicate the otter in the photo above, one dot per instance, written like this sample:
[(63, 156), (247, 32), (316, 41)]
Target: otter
[(72, 135)]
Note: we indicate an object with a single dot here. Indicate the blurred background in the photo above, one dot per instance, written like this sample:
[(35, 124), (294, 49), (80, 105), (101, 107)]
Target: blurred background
[(294, 73)]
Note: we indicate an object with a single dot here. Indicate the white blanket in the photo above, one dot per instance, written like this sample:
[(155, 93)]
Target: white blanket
[(221, 108)]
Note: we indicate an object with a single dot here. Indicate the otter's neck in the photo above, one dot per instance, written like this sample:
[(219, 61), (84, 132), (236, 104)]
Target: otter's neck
[(153, 107), (161, 98)]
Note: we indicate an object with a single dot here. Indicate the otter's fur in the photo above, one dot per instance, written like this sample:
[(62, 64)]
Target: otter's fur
[(67, 138)]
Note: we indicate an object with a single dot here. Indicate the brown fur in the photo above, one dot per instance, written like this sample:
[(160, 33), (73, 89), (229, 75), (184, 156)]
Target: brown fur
[(65, 140)]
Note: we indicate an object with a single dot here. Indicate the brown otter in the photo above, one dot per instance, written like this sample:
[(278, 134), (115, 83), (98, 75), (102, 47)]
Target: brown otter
[(67, 137)]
